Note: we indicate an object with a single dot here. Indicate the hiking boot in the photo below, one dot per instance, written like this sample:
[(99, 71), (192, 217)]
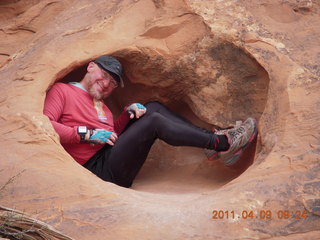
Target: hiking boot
[(239, 138), (211, 154)]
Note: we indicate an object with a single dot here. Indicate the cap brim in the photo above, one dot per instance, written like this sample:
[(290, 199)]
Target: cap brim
[(120, 78)]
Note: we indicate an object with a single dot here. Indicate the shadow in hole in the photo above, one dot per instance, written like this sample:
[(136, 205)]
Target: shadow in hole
[(180, 176), (76, 75)]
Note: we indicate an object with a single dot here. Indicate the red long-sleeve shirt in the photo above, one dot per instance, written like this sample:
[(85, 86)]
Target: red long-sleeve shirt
[(68, 107)]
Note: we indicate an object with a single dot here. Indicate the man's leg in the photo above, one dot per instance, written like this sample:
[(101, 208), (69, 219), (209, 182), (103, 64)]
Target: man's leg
[(163, 110), (221, 144), (130, 151)]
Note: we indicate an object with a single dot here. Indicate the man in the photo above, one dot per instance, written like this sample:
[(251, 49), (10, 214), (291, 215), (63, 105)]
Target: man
[(116, 150)]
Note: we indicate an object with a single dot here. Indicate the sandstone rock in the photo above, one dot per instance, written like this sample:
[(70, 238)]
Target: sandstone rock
[(214, 62)]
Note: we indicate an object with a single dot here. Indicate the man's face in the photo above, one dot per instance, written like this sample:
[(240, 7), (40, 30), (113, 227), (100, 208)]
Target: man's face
[(100, 84)]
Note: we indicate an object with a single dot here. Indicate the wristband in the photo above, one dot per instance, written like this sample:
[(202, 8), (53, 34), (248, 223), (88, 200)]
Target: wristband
[(82, 131)]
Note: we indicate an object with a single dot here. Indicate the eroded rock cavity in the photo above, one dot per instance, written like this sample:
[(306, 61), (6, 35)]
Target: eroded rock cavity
[(214, 85)]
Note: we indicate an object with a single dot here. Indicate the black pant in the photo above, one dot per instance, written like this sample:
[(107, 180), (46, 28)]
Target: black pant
[(121, 163)]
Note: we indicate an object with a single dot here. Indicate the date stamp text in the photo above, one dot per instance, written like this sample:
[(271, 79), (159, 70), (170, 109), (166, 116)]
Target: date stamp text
[(261, 214)]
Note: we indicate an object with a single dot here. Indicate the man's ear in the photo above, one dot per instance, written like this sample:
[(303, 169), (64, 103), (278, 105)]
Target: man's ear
[(91, 66)]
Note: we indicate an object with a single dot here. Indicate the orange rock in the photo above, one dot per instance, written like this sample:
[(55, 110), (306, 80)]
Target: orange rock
[(214, 62)]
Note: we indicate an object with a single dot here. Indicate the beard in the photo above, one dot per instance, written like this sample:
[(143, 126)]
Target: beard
[(96, 94)]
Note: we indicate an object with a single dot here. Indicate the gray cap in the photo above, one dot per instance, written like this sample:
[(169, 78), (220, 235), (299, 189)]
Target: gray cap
[(112, 66)]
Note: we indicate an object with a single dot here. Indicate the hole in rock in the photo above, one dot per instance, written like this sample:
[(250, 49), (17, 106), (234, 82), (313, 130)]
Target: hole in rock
[(170, 169), (302, 10)]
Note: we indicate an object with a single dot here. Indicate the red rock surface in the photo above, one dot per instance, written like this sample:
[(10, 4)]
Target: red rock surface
[(214, 62)]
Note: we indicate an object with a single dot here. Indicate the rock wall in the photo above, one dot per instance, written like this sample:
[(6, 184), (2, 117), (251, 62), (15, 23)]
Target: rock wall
[(214, 62)]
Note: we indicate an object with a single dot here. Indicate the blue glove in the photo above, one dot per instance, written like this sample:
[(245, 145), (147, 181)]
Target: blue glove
[(101, 136), (136, 110)]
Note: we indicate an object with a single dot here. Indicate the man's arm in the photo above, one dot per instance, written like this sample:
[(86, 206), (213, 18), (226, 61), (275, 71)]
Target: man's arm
[(53, 108), (135, 110), (121, 122)]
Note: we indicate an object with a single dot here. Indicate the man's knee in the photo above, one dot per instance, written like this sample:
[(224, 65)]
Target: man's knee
[(155, 118), (153, 121)]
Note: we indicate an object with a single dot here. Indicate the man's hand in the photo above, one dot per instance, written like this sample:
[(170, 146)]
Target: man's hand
[(136, 110), (101, 136)]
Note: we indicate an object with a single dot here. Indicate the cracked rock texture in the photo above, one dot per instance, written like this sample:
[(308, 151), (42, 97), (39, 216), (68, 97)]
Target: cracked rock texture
[(213, 61)]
